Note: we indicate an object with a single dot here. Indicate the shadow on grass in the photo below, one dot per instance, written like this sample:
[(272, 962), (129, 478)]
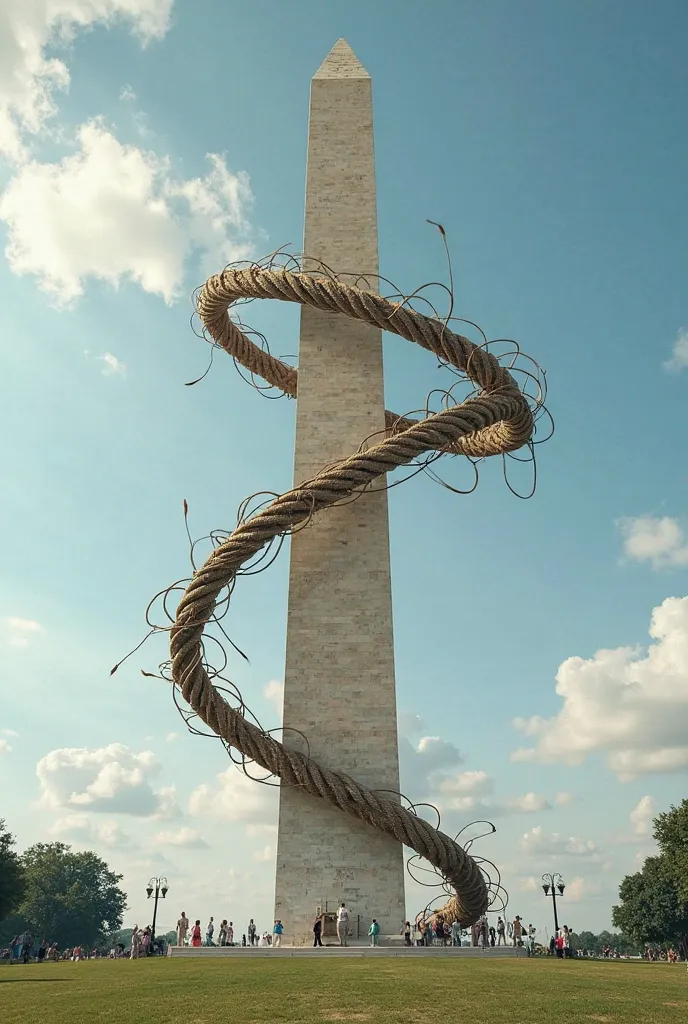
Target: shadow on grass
[(30, 981)]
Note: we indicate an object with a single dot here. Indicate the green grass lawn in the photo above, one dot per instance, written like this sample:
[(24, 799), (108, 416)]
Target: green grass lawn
[(164, 991)]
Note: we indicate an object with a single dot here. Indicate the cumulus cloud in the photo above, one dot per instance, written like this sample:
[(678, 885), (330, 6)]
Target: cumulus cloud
[(112, 779), (473, 783), (82, 829), (578, 889), (5, 747), (641, 817), (235, 798), (29, 78), (658, 540), (628, 703), (679, 354), (112, 366), (274, 692), (115, 212), (539, 844), (420, 761), (529, 884), (172, 737), (20, 632), (528, 803), (189, 838)]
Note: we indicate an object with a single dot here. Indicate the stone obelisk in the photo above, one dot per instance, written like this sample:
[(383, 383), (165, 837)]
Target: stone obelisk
[(339, 679)]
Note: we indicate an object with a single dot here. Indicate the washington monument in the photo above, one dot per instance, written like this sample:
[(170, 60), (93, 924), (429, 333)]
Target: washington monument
[(339, 686)]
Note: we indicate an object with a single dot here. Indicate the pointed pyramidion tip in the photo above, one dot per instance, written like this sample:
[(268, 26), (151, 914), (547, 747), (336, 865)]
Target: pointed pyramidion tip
[(341, 62)]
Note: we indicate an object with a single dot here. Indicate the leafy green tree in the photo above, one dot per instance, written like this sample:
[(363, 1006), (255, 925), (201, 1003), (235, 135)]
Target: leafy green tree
[(584, 940), (70, 897), (671, 833), (652, 906), (11, 874)]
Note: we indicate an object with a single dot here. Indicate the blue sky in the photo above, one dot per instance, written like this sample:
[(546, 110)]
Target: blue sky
[(548, 139)]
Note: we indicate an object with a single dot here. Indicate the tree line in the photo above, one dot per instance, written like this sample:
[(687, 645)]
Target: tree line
[(69, 898)]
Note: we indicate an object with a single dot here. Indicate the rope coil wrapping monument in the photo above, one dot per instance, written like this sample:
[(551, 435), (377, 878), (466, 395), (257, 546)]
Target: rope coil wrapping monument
[(496, 421)]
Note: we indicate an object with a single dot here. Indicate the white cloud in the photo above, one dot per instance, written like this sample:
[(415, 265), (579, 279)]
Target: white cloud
[(114, 213), (12, 733), (274, 692), (110, 779), (528, 803), (641, 817), (564, 799), (189, 838), (629, 704), (474, 783), (420, 761), (235, 799), (29, 78), (112, 367), (172, 737), (5, 747), (679, 355), (658, 540), (529, 884), (578, 889), (538, 844), (20, 631), (264, 855), (80, 828)]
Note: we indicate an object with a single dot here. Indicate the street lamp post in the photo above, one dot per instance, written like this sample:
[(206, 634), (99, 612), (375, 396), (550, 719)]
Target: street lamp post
[(551, 885), (157, 887)]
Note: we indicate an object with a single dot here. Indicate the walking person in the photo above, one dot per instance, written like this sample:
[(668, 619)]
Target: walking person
[(182, 929), (251, 933), (407, 934), (343, 925), (501, 932), (209, 932), (277, 930), (222, 934), (196, 939), (456, 933), (374, 933), (317, 932)]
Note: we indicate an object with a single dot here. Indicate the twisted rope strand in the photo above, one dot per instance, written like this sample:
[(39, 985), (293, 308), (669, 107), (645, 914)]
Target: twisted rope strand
[(495, 421)]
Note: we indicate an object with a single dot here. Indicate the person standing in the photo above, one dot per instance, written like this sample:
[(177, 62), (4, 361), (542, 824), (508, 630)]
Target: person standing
[(196, 939), (182, 929), (209, 932), (407, 934), (135, 943), (222, 935), (277, 930), (518, 931), (27, 944), (317, 932), (343, 925), (251, 933), (456, 933), (374, 933), (230, 934), (501, 930)]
